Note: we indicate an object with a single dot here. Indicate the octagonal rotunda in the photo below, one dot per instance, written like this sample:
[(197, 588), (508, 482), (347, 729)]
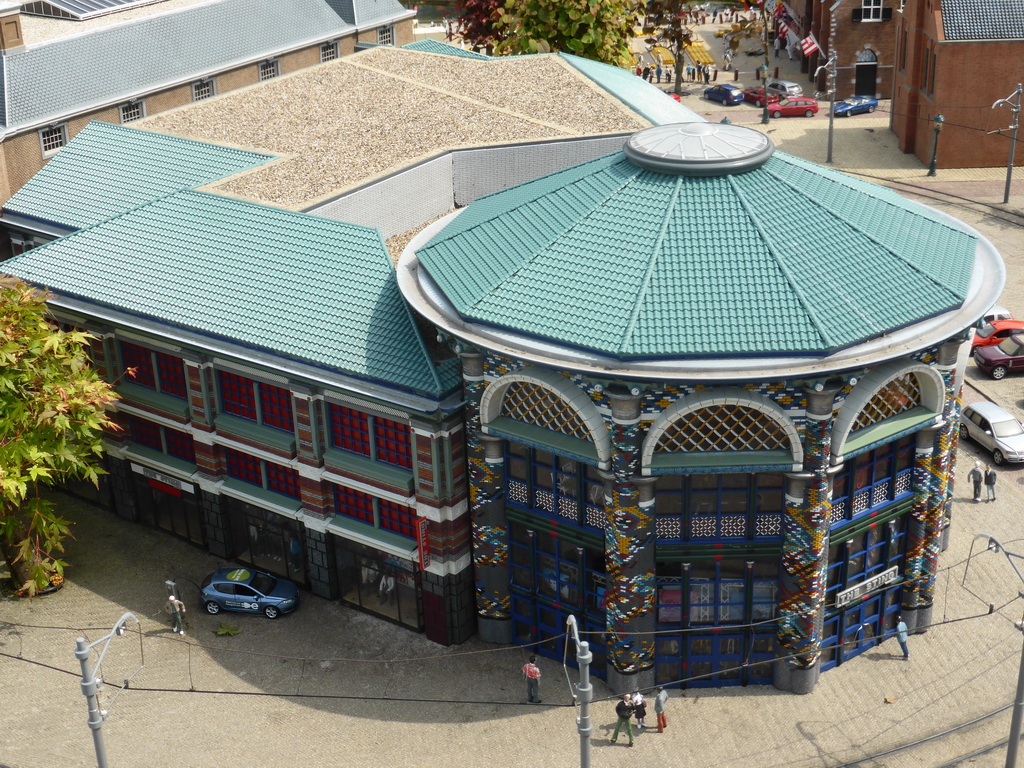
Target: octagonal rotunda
[(711, 403)]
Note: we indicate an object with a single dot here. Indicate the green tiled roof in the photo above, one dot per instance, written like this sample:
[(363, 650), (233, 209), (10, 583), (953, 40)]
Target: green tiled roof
[(635, 92), (109, 169), (429, 45), (311, 289), (788, 259)]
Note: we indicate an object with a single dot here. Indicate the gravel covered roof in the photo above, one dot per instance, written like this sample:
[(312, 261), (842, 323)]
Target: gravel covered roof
[(378, 110)]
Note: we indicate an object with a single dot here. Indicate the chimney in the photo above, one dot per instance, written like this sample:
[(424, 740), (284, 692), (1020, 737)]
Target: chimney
[(10, 27)]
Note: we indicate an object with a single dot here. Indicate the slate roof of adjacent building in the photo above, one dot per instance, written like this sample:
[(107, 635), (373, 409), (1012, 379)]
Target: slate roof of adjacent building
[(73, 74), (109, 169), (303, 287), (991, 20), (789, 259)]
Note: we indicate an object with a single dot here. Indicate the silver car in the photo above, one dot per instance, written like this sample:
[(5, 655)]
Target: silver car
[(785, 88), (995, 429)]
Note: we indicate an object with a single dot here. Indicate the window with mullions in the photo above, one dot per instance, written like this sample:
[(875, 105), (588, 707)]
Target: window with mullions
[(386, 35), (556, 569), (164, 439), (255, 401), (380, 513), (865, 555), (202, 89), (873, 479), (872, 10), (264, 474), (711, 507), (328, 51), (351, 431), (729, 591), (558, 485), (154, 370), (268, 70)]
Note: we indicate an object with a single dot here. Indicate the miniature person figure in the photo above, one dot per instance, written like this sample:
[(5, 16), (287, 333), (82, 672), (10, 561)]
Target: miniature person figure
[(532, 674), (777, 45), (624, 711), (176, 609), (990, 483), (976, 476), (387, 589), (639, 709), (660, 699), (901, 636)]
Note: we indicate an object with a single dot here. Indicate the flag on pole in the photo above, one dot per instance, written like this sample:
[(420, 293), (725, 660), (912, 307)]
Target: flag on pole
[(782, 29), (809, 45)]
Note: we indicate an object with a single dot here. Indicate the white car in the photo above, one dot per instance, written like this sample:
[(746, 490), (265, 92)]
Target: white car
[(994, 429)]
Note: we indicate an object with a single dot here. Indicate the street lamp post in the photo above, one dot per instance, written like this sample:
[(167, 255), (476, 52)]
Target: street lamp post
[(1018, 701), (937, 121), (585, 690), (1013, 102), (91, 682)]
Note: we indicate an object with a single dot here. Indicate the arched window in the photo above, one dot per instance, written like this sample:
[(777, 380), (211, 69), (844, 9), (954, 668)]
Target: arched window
[(530, 403), (727, 427), (898, 396)]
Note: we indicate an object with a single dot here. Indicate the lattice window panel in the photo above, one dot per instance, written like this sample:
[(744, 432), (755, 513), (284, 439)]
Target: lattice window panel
[(544, 500), (880, 494), (838, 513), (861, 501), (533, 404), (668, 528), (903, 483), (567, 508), (724, 428), (703, 527), (899, 395), (596, 517), (517, 491), (734, 526), (768, 525)]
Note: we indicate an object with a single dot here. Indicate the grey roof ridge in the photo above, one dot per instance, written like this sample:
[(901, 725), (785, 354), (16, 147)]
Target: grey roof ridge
[(870, 236), (657, 252), (805, 301)]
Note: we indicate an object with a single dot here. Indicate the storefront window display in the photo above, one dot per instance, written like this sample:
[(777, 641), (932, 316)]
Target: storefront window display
[(378, 582), (266, 540)]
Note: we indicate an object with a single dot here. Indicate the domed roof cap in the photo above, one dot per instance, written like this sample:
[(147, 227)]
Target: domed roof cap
[(698, 149)]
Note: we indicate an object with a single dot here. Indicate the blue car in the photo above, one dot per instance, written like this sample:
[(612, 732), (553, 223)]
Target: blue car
[(729, 95), (249, 591), (854, 106)]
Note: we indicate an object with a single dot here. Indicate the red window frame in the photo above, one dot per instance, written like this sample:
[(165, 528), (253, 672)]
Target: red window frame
[(146, 433), (180, 445), (237, 396), (283, 480), (350, 429), (171, 375), (397, 518), (243, 467), (141, 360), (276, 407), (392, 440), (352, 503)]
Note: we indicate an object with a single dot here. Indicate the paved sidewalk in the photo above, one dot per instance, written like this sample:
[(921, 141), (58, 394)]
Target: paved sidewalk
[(324, 687)]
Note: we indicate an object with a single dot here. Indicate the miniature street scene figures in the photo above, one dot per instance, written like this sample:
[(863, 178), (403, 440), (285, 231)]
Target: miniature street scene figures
[(624, 711), (901, 636), (532, 674), (990, 483), (660, 700), (976, 476), (639, 709), (176, 610)]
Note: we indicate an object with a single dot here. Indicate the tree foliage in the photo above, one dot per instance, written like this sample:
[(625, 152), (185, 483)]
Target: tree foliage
[(52, 417), (594, 29), (477, 22)]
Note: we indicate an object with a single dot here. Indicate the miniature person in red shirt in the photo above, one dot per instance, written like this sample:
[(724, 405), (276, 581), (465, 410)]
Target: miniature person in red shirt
[(532, 674)]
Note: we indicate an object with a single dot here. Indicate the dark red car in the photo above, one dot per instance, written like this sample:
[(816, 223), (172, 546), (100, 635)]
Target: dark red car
[(756, 97), (995, 332), (794, 106), (1003, 358)]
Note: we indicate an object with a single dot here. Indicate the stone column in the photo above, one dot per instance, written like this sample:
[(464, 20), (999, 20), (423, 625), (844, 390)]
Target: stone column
[(629, 552), (805, 551), (948, 355), (485, 460)]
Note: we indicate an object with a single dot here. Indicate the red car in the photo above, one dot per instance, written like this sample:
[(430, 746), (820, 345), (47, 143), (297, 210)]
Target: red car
[(794, 106), (1003, 358), (756, 96), (995, 332)]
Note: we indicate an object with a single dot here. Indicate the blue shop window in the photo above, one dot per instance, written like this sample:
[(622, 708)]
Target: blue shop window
[(556, 486), (873, 479), (713, 507)]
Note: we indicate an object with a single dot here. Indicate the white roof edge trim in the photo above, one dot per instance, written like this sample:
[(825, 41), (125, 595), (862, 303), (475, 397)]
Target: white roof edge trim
[(987, 280)]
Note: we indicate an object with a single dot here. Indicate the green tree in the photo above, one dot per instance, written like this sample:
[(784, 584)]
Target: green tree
[(594, 29), (52, 417), (754, 29), (664, 23), (476, 20)]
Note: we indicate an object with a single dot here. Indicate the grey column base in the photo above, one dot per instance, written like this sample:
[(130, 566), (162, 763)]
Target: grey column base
[(917, 619), (621, 682), (494, 630), (792, 679), (944, 537)]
